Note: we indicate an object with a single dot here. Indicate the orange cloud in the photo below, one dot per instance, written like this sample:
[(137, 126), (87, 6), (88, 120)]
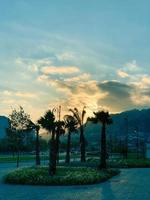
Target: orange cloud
[(60, 70)]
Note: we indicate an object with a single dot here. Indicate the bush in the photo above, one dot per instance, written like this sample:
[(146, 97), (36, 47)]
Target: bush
[(64, 176)]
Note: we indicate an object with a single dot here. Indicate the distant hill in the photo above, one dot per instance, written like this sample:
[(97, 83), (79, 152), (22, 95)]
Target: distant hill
[(133, 120), (4, 123), (138, 120)]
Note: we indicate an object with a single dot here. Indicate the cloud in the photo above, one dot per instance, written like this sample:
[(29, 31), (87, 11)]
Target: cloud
[(33, 68), (128, 69), (132, 66), (66, 56), (116, 88), (118, 95), (72, 87), (60, 70), (122, 96), (84, 94), (141, 97), (11, 99), (122, 74), (25, 95), (31, 64), (83, 77), (43, 78), (7, 93), (76, 91), (145, 82), (82, 90)]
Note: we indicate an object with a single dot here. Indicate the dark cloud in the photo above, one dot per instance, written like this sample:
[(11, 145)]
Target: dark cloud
[(146, 92), (118, 95), (116, 88)]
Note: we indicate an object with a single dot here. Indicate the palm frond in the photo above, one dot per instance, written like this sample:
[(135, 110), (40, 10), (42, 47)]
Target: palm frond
[(75, 113), (102, 117), (83, 115), (71, 123)]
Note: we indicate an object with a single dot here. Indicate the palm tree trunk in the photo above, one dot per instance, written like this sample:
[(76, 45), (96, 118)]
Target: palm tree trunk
[(52, 155), (57, 145), (82, 144), (37, 149), (103, 164), (68, 148)]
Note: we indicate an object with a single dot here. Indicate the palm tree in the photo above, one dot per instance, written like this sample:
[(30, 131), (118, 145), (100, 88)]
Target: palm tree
[(80, 119), (71, 126), (103, 118), (59, 130), (48, 122), (36, 127)]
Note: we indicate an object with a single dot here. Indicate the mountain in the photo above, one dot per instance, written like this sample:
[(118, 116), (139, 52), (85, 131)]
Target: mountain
[(132, 121), (4, 123)]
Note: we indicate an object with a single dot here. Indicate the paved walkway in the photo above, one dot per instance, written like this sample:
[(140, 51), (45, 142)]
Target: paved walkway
[(132, 184)]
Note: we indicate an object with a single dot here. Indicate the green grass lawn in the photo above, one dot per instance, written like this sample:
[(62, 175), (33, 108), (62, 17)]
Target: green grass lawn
[(4, 159), (11, 158), (91, 161)]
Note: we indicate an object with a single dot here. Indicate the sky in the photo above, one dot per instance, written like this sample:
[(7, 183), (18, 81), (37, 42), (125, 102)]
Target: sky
[(74, 53)]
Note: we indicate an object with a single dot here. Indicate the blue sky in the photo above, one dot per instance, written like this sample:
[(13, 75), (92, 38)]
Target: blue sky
[(74, 53)]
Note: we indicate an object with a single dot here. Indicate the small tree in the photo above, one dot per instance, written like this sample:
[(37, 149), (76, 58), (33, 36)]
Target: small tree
[(103, 118), (71, 125), (19, 122)]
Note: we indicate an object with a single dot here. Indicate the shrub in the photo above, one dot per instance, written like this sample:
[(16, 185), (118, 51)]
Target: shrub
[(64, 176)]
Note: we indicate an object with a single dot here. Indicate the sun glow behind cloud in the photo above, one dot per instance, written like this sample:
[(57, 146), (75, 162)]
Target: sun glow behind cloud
[(75, 88), (81, 90)]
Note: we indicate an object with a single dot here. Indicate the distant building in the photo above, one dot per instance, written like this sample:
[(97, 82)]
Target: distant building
[(4, 124)]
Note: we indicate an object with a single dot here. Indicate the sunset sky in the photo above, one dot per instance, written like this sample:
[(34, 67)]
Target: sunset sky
[(74, 53)]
